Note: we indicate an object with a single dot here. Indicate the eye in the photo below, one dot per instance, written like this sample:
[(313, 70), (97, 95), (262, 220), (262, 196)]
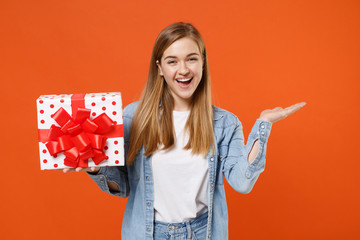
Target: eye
[(193, 59), (171, 62)]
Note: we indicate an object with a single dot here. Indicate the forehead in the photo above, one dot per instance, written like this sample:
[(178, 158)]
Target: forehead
[(182, 47)]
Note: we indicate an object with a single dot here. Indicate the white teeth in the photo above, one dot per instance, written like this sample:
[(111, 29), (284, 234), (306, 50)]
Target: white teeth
[(183, 80)]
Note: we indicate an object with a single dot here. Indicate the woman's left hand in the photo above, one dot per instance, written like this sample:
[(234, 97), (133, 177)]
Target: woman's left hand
[(278, 113)]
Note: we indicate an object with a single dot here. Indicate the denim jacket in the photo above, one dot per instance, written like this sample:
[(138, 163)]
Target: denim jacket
[(230, 159)]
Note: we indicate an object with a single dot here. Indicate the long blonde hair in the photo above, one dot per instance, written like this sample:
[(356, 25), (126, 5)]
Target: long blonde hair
[(152, 124)]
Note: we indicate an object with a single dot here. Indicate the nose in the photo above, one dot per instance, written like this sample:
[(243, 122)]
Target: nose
[(183, 70)]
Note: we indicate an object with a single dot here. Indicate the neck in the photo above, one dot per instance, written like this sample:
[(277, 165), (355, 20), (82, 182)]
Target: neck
[(182, 106)]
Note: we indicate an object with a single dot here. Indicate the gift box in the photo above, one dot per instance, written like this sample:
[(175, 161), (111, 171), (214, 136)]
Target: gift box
[(80, 130)]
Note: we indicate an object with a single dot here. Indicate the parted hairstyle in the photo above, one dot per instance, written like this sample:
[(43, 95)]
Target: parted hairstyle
[(152, 124)]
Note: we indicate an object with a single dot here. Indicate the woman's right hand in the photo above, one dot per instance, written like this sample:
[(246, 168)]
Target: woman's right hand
[(93, 170)]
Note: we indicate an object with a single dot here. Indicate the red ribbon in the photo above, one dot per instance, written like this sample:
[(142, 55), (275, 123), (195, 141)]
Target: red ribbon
[(79, 137)]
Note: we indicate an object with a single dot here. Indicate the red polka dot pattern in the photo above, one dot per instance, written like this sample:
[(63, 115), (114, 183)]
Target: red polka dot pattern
[(108, 103)]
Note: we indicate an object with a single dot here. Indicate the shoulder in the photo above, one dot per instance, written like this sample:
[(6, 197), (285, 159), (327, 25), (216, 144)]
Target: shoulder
[(130, 109), (224, 118)]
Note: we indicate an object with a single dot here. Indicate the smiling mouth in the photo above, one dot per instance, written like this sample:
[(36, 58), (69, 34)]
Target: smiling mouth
[(184, 80), (184, 83)]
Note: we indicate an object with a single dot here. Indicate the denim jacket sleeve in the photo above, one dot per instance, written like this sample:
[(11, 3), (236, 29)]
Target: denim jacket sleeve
[(118, 175), (240, 174), (112, 174)]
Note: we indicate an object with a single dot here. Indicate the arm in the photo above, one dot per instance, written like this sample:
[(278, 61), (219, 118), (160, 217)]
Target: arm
[(242, 174), (114, 180), (272, 116), (112, 185), (244, 163), (94, 171), (253, 152)]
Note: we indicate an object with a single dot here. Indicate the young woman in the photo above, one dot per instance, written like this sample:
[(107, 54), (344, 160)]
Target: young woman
[(178, 146)]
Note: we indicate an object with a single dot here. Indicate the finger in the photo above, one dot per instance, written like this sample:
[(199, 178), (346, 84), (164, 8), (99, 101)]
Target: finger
[(294, 108), (65, 170), (89, 169)]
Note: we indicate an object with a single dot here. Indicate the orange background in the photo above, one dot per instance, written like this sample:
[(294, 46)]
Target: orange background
[(262, 54)]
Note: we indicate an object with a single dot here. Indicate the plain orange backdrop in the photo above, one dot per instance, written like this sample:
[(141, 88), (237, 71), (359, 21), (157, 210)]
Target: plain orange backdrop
[(262, 54)]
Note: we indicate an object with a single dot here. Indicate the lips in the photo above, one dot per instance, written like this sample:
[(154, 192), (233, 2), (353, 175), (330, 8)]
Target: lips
[(183, 79), (184, 82)]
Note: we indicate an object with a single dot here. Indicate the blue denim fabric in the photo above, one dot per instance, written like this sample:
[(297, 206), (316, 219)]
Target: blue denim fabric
[(188, 230), (229, 159)]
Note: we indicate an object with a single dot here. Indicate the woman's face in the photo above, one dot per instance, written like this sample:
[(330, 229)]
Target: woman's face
[(181, 66)]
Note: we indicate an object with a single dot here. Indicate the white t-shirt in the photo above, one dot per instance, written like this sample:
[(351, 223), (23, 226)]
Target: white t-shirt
[(180, 178)]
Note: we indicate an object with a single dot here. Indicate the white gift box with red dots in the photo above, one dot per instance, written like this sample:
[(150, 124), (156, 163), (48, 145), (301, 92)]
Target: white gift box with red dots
[(109, 103)]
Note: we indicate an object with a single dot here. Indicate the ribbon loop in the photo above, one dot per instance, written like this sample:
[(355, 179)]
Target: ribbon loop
[(76, 136), (82, 114), (81, 141), (99, 156), (89, 126), (104, 123), (54, 133), (65, 142), (69, 124), (72, 153), (61, 116), (97, 141), (75, 129), (53, 147)]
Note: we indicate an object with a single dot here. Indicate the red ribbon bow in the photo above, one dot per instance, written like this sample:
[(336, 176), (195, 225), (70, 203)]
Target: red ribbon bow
[(79, 137)]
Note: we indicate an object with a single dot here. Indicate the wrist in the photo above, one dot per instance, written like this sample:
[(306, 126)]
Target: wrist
[(265, 119)]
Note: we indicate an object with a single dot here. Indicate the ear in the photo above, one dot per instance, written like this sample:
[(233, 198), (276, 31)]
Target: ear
[(159, 67)]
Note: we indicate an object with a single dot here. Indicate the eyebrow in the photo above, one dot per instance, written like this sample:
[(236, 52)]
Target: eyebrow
[(190, 54)]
